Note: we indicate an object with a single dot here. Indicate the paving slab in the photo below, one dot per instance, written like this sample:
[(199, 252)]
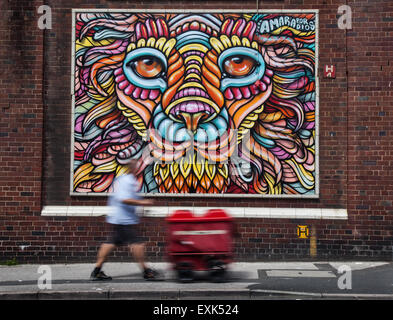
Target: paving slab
[(245, 280)]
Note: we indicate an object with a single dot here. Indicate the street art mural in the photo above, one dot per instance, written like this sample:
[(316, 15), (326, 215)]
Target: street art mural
[(209, 103)]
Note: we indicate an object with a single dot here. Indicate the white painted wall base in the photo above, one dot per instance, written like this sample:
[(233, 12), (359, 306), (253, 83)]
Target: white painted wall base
[(237, 212)]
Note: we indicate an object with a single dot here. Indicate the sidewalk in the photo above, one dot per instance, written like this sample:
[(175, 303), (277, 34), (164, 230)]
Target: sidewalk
[(257, 280)]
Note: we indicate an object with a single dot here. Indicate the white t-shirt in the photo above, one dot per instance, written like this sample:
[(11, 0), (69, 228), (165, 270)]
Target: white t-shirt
[(125, 187)]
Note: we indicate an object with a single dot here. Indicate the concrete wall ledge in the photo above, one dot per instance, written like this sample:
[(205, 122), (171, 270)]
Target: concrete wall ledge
[(236, 212)]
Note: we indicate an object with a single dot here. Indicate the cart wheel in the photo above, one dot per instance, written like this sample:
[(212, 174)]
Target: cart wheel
[(217, 271), (185, 272)]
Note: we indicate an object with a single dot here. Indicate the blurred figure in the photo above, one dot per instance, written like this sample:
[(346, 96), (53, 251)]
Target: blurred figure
[(123, 220)]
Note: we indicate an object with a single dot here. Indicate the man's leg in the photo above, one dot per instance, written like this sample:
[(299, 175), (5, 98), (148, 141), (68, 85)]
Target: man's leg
[(103, 252), (138, 252)]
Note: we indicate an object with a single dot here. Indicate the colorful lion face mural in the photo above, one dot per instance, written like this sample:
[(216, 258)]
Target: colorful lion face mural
[(210, 103)]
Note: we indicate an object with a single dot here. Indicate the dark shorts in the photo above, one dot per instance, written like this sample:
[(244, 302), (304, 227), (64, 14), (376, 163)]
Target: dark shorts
[(124, 234)]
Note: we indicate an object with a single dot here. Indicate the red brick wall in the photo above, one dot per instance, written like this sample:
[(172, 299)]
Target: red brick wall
[(370, 101), (355, 133), (21, 123)]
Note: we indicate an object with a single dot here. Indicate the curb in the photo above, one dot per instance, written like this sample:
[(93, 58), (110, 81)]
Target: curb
[(260, 293), (180, 295), (54, 295), (133, 295), (19, 296), (321, 295)]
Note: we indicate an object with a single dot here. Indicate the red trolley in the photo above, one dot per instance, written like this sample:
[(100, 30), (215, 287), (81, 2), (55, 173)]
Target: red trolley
[(200, 243)]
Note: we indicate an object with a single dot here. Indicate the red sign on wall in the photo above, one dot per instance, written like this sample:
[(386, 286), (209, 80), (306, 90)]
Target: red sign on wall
[(329, 71)]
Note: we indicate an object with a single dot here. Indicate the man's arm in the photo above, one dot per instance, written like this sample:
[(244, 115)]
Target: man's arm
[(138, 202)]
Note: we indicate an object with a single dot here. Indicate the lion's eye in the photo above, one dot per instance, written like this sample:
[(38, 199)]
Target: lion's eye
[(239, 66), (147, 67)]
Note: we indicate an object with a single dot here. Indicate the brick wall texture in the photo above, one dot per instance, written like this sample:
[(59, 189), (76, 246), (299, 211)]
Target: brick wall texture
[(356, 153)]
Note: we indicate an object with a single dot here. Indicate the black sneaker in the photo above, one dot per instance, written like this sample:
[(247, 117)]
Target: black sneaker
[(150, 274), (100, 276)]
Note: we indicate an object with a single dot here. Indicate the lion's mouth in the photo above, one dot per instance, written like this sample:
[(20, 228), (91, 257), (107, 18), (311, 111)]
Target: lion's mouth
[(192, 107)]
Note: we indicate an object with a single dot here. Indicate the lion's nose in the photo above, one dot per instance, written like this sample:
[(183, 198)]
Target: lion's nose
[(192, 120), (192, 112)]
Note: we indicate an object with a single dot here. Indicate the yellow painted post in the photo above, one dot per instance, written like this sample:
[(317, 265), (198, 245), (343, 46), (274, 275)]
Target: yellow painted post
[(313, 242)]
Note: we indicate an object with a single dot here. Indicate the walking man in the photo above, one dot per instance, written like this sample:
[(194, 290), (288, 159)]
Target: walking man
[(123, 220)]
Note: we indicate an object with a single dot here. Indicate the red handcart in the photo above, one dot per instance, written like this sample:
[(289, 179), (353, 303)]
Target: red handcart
[(200, 243)]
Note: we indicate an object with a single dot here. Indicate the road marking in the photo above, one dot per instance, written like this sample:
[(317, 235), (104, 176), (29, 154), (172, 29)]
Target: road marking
[(280, 265), (356, 266), (300, 274)]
